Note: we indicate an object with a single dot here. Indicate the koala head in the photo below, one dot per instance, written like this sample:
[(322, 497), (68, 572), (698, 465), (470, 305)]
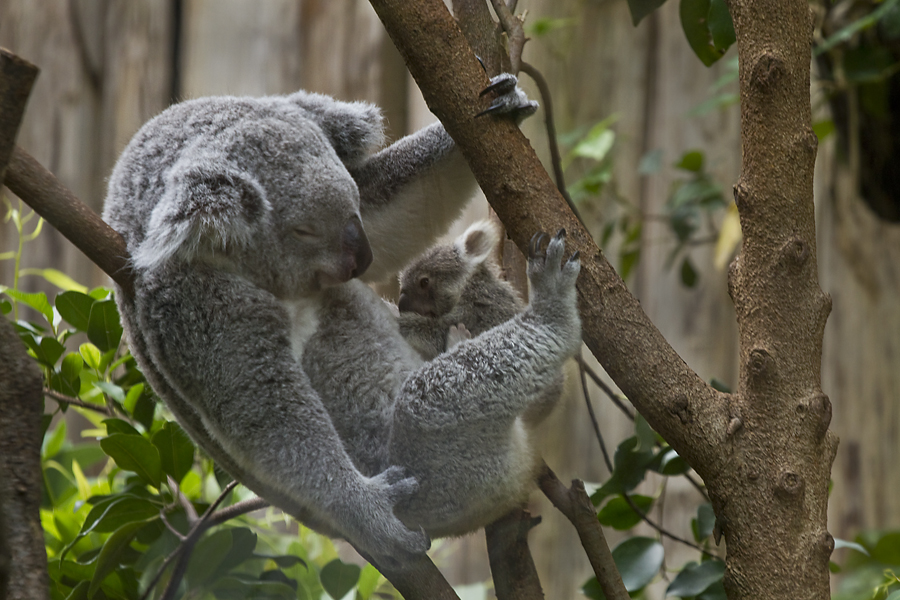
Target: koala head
[(265, 194), (433, 283)]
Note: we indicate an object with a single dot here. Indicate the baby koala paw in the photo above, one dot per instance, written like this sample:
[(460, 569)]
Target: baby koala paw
[(510, 100), (456, 334), (546, 269)]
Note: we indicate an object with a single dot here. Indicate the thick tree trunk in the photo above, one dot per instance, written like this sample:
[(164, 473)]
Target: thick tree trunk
[(772, 497)]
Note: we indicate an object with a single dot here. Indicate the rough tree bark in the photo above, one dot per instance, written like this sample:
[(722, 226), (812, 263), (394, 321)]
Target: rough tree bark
[(765, 452)]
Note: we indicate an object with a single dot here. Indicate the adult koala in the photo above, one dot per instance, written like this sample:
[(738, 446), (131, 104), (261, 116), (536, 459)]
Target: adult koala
[(244, 219)]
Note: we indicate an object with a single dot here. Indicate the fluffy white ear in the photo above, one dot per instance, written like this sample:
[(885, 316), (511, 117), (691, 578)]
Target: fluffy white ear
[(206, 208), (477, 243)]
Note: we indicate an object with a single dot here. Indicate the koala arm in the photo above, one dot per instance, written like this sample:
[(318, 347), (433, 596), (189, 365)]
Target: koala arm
[(411, 191), (222, 347)]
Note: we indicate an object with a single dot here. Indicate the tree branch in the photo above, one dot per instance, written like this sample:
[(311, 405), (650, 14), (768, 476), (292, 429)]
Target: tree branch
[(512, 566), (575, 504)]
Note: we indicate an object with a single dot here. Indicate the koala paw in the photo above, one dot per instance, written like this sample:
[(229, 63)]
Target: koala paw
[(389, 541), (546, 271), (510, 100), (458, 333)]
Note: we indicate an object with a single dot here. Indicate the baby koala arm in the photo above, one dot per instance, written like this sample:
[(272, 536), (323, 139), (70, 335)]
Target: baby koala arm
[(501, 371), (223, 343)]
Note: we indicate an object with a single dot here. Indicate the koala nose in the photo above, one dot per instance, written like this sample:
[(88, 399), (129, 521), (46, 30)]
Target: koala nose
[(356, 245), (404, 303)]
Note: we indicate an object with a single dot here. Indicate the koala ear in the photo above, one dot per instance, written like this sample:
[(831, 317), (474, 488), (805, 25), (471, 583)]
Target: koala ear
[(478, 242), (355, 129), (205, 208)]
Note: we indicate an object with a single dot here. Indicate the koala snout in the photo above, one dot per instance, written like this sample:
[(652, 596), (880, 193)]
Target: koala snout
[(355, 244), (404, 304)]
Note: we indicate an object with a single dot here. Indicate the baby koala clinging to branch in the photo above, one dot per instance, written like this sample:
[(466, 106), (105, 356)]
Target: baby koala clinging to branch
[(454, 291)]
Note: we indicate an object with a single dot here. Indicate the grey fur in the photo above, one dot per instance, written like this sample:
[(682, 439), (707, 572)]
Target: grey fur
[(453, 284), (244, 218)]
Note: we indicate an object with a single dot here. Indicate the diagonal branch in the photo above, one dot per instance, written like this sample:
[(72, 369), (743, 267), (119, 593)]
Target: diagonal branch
[(687, 412)]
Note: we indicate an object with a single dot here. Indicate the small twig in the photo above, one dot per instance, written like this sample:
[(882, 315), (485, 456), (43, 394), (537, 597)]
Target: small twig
[(587, 401), (606, 389), (63, 399), (515, 33), (555, 157), (662, 530), (210, 518), (575, 504)]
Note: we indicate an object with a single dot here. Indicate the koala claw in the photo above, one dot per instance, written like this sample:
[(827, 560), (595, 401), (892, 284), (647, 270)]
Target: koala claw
[(534, 248), (510, 99)]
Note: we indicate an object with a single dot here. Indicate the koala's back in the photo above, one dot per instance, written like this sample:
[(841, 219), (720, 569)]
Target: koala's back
[(486, 301)]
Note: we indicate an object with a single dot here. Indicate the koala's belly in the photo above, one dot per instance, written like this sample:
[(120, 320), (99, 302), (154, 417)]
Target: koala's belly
[(468, 477)]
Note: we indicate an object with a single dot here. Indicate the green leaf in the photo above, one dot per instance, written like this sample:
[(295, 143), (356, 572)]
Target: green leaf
[(119, 426), (36, 301), (695, 23), (823, 129), (176, 451), (338, 578), (109, 516), (865, 22), (112, 390), (630, 466), (839, 543), (108, 559), (596, 148), (243, 543), (134, 453), (75, 308), (672, 464), (618, 514), (641, 8), (721, 27), (368, 582), (61, 280), (104, 328), (887, 550), (695, 579), (691, 161), (211, 551), (46, 349), (688, 273), (91, 355), (232, 588), (638, 560), (702, 525), (53, 443), (714, 592)]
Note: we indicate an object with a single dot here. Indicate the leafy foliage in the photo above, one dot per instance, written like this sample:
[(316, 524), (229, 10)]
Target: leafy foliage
[(707, 25)]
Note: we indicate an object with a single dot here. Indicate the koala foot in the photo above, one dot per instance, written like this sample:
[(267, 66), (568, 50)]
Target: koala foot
[(383, 535), (458, 333), (552, 280), (510, 100)]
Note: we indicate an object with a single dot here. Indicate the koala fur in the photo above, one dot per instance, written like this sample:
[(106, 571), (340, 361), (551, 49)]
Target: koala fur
[(248, 221), (452, 285)]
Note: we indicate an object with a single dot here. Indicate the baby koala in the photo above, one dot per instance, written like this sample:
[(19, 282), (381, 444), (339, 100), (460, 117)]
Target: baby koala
[(454, 291)]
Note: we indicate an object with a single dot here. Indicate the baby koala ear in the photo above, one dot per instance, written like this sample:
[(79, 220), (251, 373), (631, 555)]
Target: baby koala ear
[(478, 242), (207, 207), (355, 129)]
